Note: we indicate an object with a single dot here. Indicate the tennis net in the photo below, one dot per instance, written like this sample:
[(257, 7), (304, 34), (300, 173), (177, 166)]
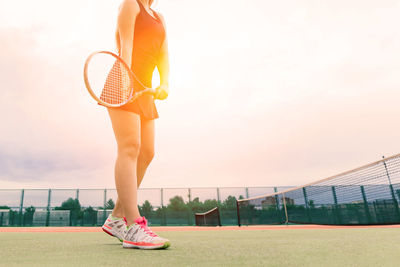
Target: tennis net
[(366, 195), (209, 218)]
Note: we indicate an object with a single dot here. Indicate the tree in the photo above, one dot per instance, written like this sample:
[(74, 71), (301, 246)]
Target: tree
[(30, 209), (89, 209), (28, 215), (177, 204), (110, 204), (210, 204), (147, 207), (229, 203), (75, 207), (90, 216), (196, 205), (70, 204)]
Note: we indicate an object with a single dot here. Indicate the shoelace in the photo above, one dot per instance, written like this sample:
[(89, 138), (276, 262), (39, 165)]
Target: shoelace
[(143, 225)]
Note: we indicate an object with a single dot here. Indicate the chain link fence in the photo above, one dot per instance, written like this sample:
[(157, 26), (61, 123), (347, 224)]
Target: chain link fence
[(90, 207)]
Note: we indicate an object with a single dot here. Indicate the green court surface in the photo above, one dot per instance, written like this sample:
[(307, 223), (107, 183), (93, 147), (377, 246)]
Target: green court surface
[(327, 247)]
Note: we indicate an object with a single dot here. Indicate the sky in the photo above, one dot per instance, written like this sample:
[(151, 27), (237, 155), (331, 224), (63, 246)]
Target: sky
[(262, 93)]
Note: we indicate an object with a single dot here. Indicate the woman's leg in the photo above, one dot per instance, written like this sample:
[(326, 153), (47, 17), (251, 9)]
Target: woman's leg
[(145, 157), (146, 148), (126, 127), (118, 211)]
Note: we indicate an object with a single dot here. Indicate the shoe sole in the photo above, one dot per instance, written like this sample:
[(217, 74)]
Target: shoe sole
[(148, 246), (111, 232)]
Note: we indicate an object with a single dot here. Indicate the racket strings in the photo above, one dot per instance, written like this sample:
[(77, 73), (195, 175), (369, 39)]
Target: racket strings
[(117, 87)]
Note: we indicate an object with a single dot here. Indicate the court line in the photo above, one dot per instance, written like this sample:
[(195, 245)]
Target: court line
[(189, 228)]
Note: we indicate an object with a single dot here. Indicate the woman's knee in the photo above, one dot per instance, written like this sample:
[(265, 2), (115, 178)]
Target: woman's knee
[(126, 127), (146, 154), (130, 149)]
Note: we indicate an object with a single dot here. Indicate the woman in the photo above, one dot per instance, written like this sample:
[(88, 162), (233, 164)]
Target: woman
[(142, 44)]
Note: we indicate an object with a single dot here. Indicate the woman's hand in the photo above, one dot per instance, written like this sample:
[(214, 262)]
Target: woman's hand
[(161, 92)]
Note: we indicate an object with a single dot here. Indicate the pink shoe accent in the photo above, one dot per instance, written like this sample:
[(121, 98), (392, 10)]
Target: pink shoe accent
[(143, 224), (143, 244), (107, 232)]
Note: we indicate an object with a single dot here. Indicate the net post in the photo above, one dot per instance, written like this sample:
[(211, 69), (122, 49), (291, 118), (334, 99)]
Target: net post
[(48, 208), (105, 205), (21, 206), (219, 217), (395, 202), (238, 213), (366, 204), (285, 208)]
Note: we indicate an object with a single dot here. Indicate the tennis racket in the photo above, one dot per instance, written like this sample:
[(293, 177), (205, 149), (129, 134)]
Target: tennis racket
[(110, 81)]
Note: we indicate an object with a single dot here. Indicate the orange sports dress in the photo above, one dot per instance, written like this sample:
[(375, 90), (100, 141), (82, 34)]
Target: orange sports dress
[(148, 38)]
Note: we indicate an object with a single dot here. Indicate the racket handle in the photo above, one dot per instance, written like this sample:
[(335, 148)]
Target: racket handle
[(138, 94)]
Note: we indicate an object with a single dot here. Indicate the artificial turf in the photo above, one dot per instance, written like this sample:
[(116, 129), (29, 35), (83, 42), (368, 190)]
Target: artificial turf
[(327, 247)]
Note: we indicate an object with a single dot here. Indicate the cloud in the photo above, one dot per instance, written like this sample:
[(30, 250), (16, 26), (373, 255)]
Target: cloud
[(40, 132), (268, 93)]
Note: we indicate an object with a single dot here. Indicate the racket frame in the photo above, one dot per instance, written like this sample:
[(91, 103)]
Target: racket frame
[(132, 96)]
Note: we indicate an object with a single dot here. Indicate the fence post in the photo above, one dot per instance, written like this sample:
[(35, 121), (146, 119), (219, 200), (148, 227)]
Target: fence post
[(276, 198), (366, 204), (334, 195), (48, 208), (395, 203), (163, 209), (77, 194), (218, 197), (306, 202), (21, 206), (238, 212), (339, 216), (247, 192), (104, 206), (162, 197), (189, 213)]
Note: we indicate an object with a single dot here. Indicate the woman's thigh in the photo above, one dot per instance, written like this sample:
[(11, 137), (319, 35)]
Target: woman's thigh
[(147, 138), (126, 126)]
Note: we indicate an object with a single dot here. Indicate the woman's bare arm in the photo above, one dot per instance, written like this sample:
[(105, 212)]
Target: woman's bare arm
[(163, 68), (126, 26)]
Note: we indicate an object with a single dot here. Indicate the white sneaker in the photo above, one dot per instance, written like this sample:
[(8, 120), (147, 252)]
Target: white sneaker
[(115, 227), (138, 235)]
